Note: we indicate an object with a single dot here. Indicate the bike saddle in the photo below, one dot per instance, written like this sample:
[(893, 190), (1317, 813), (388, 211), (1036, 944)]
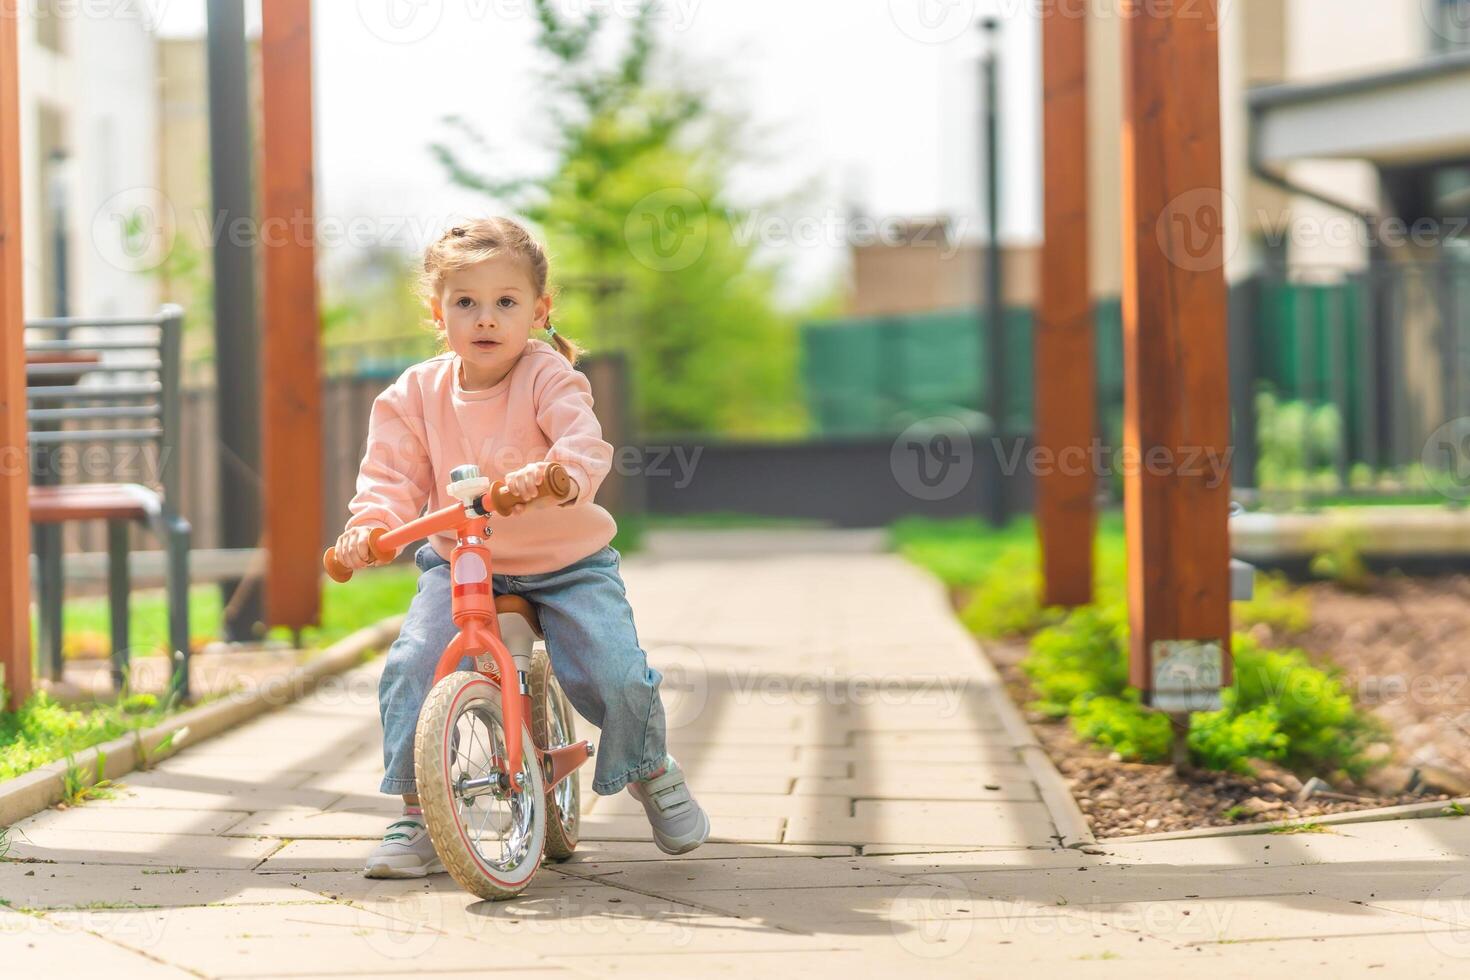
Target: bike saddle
[(516, 604)]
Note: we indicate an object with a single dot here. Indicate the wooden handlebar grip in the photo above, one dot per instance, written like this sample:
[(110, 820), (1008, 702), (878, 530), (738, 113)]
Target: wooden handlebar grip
[(336, 571), (556, 484), (339, 572)]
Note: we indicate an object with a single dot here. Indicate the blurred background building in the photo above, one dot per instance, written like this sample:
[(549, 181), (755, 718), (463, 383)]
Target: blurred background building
[(90, 127)]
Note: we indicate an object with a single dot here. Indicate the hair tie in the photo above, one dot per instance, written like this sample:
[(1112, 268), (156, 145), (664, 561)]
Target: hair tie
[(550, 331), (458, 232)]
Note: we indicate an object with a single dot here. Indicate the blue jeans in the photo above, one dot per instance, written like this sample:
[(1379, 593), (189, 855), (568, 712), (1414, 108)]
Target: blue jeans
[(594, 653)]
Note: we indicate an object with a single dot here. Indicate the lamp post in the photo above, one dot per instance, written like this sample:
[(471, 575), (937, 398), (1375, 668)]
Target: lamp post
[(992, 315), (236, 335)]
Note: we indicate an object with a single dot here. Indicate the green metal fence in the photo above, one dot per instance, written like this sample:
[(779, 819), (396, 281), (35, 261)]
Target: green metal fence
[(1332, 383)]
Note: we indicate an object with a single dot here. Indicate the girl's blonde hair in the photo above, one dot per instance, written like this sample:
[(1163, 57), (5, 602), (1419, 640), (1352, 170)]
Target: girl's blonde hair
[(484, 238)]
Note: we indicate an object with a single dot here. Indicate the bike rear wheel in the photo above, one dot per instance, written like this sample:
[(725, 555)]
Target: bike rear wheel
[(554, 725), (491, 840)]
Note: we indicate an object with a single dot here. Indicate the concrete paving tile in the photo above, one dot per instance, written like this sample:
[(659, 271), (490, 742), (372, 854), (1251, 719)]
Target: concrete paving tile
[(351, 886), (299, 823), (1374, 882), (355, 783), (897, 754), (1249, 850), (104, 815), (721, 804), (1412, 839), (671, 877), (758, 830), (697, 767), (755, 738), (911, 911), (954, 823), (738, 783), (926, 861), (1431, 955), (598, 852), (193, 791), (541, 971), (326, 938), (36, 947), (941, 772), (899, 786), (50, 886), (773, 757), (258, 771), (1087, 886), (1244, 919), (171, 850), (317, 855)]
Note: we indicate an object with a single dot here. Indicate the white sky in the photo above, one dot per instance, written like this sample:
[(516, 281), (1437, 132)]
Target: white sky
[(874, 99)]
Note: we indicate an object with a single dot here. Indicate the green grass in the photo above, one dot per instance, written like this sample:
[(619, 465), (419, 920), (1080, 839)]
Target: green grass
[(43, 731), (370, 596), (1001, 567)]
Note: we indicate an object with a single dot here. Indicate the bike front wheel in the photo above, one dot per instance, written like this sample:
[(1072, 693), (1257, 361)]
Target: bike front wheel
[(490, 839)]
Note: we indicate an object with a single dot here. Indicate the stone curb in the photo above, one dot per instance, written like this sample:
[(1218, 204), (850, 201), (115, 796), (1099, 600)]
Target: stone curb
[(1404, 811), (1072, 827), (34, 791)]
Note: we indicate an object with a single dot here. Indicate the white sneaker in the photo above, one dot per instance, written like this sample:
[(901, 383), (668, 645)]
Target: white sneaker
[(406, 851), (679, 822)]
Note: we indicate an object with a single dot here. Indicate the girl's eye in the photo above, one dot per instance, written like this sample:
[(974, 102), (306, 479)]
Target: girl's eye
[(506, 302), (464, 302)]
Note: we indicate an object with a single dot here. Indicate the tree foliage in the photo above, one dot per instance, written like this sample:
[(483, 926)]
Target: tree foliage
[(634, 210)]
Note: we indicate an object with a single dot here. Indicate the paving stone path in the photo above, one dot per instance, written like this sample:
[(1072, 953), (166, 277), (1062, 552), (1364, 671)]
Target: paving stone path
[(871, 814)]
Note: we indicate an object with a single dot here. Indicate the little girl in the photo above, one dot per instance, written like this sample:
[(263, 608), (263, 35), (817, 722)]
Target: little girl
[(511, 404)]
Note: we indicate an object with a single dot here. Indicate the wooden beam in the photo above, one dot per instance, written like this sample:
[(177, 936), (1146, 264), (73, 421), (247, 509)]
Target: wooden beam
[(1176, 385), (291, 355), (15, 583), (1066, 387)]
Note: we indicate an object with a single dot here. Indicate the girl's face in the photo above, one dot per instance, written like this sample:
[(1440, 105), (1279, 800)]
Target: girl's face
[(487, 311)]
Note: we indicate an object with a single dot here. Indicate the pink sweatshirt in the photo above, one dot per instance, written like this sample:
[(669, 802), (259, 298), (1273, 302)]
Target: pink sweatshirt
[(425, 424)]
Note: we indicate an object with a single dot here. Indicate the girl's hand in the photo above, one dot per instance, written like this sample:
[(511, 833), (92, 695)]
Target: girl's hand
[(352, 547), (527, 480)]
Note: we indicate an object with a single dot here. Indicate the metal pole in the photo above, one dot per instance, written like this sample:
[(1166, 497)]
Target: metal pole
[(236, 336), (15, 577), (993, 353)]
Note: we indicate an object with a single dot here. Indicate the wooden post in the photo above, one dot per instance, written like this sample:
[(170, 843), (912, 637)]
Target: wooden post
[(291, 355), (1176, 427), (15, 577), (1066, 386)]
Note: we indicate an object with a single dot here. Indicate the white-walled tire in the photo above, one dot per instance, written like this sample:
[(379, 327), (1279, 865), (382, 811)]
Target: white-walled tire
[(493, 843)]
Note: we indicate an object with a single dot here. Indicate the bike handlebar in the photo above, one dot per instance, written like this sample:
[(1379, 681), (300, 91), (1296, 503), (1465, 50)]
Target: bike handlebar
[(498, 500)]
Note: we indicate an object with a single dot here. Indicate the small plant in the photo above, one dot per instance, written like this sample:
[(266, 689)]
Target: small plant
[(1236, 812), (1297, 443), (1451, 809), (1302, 828), (76, 790), (146, 758), (1340, 559), (1275, 604)]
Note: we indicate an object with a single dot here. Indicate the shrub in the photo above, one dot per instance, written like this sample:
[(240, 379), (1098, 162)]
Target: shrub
[(1123, 725)]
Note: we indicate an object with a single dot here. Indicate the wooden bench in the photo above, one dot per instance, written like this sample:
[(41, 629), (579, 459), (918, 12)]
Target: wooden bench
[(101, 383)]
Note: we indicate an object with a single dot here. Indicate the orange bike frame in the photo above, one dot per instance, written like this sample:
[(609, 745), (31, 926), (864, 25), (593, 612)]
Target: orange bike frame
[(474, 612)]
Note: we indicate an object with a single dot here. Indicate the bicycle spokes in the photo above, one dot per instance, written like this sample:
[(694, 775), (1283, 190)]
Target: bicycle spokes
[(496, 820)]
